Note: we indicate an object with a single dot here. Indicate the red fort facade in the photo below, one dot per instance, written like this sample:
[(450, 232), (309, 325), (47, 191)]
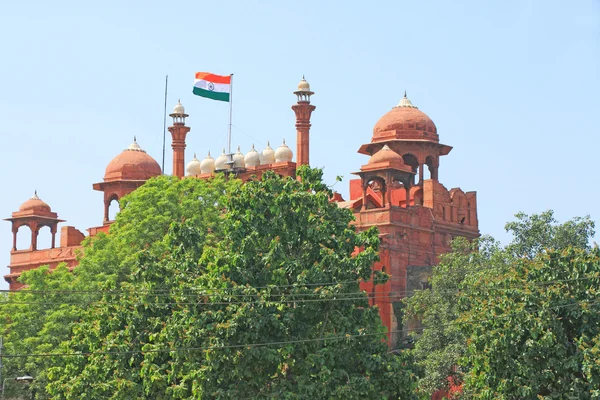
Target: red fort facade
[(416, 217)]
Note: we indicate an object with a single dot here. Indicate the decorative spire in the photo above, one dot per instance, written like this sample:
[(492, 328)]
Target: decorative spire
[(405, 102), (35, 195), (134, 146)]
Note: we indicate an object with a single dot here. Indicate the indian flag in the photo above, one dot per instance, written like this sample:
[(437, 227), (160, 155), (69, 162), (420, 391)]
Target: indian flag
[(216, 87)]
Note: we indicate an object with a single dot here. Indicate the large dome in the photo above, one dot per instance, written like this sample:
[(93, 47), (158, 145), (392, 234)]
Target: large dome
[(405, 122), (132, 164)]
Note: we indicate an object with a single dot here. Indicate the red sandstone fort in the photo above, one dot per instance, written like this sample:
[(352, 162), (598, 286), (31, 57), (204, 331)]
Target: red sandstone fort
[(417, 217)]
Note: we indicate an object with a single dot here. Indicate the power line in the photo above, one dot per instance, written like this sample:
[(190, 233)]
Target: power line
[(298, 285), (208, 292), (263, 344)]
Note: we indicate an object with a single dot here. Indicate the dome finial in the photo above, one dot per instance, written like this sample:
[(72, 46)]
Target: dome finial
[(405, 102), (194, 155), (134, 146), (35, 195)]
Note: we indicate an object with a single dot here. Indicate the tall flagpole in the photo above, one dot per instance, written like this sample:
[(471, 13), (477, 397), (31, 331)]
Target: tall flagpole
[(165, 124), (230, 114)]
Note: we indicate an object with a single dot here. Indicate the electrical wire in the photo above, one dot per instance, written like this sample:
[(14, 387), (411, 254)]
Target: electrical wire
[(278, 343)]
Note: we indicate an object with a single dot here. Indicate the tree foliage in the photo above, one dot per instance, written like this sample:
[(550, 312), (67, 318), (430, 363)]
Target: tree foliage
[(534, 331), (459, 287), (257, 297)]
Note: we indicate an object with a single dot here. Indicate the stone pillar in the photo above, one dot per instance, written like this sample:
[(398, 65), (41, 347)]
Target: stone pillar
[(14, 248), (303, 111), (53, 231), (34, 235), (106, 205), (178, 134)]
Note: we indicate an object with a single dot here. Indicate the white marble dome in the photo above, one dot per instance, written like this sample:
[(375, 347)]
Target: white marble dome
[(268, 155), (193, 167), (178, 109), (283, 153), (207, 166), (221, 162), (252, 158), (238, 159)]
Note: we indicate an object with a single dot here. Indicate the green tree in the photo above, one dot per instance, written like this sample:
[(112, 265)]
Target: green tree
[(33, 321), (533, 234), (37, 319), (442, 342), (266, 305), (534, 331)]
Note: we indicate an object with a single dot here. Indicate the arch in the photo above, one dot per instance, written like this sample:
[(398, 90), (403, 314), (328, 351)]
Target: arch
[(429, 172), (412, 160), (377, 184), (24, 237), (44, 237), (113, 210), (418, 197)]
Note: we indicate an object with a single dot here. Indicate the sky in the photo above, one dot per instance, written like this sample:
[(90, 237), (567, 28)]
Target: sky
[(512, 85)]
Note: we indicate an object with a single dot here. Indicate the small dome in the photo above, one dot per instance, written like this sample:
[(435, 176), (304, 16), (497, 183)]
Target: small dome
[(405, 122), (178, 109), (268, 155), (283, 153), (193, 167), (132, 164), (207, 166), (303, 86), (35, 204), (221, 162), (252, 158), (238, 159), (386, 155)]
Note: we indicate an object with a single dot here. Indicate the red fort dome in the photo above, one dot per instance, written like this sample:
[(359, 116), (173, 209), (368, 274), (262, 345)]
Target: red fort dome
[(34, 204), (405, 122), (132, 164)]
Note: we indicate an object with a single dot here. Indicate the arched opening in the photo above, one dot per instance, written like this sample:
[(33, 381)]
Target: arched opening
[(44, 238), (427, 172), (378, 186), (23, 237), (411, 159), (113, 208), (418, 197)]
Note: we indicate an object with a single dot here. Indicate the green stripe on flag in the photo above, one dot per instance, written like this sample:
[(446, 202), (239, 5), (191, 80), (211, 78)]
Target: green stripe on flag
[(211, 95)]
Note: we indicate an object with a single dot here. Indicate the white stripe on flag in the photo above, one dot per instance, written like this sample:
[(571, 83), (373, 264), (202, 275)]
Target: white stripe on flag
[(213, 87)]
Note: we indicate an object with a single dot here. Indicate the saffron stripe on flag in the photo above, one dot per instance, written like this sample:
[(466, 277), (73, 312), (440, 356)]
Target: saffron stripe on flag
[(207, 76)]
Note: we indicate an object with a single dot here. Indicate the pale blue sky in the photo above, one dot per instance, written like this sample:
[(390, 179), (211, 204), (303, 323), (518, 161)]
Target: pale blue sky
[(512, 85)]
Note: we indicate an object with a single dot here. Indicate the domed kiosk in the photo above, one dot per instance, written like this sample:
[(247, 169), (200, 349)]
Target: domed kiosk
[(35, 214), (125, 173), (412, 134)]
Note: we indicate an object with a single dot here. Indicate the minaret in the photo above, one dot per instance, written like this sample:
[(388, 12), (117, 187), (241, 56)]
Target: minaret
[(178, 132), (303, 110)]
